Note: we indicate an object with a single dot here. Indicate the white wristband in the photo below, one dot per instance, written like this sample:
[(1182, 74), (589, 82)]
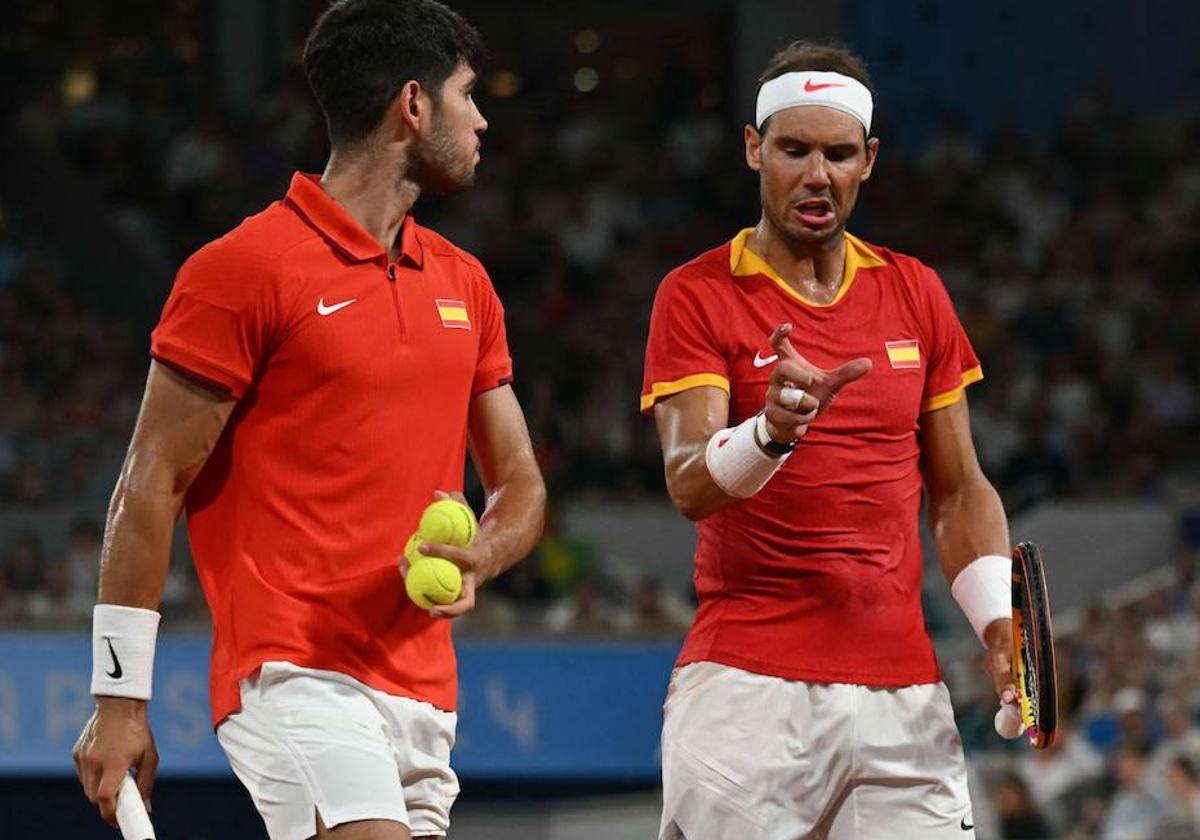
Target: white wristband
[(737, 464), (123, 640), (984, 591)]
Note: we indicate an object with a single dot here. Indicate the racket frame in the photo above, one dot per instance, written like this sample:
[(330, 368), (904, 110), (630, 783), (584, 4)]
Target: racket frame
[(1034, 669)]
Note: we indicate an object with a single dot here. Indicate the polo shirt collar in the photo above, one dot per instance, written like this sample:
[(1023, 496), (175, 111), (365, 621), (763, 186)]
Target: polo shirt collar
[(744, 262), (333, 222)]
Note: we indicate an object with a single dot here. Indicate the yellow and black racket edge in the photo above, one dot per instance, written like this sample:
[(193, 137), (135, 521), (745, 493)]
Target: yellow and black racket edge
[(1034, 670)]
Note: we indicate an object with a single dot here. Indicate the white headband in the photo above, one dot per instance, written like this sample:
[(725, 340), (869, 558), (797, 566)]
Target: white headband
[(811, 87)]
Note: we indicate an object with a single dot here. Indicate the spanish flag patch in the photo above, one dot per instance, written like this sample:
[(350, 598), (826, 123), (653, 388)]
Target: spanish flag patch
[(453, 314), (903, 354)]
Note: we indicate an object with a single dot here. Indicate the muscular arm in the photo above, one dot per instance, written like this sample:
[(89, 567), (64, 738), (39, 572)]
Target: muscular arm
[(177, 428), (966, 517), (685, 422), (516, 495), (688, 419), (965, 513), (515, 509)]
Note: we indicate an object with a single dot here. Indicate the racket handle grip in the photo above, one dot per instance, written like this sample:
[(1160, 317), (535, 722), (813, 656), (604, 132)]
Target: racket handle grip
[(131, 813), (1008, 721)]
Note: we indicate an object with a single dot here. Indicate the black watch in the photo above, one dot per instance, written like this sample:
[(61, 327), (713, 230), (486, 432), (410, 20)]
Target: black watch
[(771, 446)]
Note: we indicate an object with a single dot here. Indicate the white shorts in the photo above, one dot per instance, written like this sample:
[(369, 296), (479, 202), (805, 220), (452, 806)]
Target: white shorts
[(752, 757), (308, 741)]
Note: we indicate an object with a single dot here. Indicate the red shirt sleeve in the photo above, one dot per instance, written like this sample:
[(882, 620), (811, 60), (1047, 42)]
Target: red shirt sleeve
[(494, 366), (684, 349), (217, 323), (952, 364)]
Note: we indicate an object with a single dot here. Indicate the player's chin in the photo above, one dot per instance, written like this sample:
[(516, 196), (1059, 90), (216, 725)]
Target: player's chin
[(452, 182), (800, 231), (462, 177)]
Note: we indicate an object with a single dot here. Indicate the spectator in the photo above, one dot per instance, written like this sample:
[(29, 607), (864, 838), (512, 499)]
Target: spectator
[(1172, 633), (1131, 706), (1060, 777), (1183, 781), (1181, 739), (52, 605), (581, 614), (24, 568), (653, 615), (1135, 813), (1019, 817), (561, 561), (83, 559)]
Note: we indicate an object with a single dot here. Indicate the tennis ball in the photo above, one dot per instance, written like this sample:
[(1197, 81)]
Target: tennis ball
[(432, 581), (449, 522), (412, 551)]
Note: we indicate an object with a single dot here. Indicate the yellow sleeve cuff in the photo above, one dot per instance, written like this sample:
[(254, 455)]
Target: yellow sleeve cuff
[(659, 390), (952, 396)]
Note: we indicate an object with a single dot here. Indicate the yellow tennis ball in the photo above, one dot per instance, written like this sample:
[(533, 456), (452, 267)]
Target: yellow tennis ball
[(449, 522), (432, 581), (412, 551)]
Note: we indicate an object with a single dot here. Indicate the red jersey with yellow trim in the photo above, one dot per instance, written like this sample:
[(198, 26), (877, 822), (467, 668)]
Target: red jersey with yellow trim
[(818, 576), (353, 375)]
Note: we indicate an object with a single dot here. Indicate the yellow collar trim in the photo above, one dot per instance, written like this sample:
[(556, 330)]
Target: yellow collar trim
[(743, 262)]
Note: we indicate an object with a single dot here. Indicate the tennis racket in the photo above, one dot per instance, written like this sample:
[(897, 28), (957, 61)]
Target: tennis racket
[(1033, 647), (131, 813)]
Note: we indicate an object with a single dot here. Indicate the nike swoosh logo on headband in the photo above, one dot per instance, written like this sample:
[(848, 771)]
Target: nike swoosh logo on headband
[(809, 87)]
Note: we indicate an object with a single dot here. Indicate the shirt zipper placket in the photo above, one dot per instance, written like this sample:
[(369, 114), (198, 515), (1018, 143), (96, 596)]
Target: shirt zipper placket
[(401, 326)]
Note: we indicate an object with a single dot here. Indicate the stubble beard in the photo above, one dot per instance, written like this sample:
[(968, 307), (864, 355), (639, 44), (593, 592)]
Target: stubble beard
[(435, 166), (797, 236)]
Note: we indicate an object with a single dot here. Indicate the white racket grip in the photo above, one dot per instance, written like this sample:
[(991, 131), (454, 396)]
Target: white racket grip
[(1008, 721), (131, 813)]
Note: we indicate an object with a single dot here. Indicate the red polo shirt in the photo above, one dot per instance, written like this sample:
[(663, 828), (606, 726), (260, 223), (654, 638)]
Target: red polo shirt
[(354, 375), (818, 576)]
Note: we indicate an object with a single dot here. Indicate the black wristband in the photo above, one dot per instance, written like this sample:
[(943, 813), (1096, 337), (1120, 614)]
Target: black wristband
[(771, 446)]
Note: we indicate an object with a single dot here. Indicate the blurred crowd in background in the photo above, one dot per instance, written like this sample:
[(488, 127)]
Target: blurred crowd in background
[(1126, 763), (1072, 259)]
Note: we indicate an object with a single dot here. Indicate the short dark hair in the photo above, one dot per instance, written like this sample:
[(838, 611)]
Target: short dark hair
[(361, 52), (799, 56)]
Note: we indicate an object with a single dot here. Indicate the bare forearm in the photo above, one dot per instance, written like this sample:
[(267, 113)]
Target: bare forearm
[(968, 523), (513, 519), (691, 486), (178, 426), (686, 423), (137, 542)]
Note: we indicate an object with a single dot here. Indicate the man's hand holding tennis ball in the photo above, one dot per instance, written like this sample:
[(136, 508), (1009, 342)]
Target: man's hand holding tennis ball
[(442, 563)]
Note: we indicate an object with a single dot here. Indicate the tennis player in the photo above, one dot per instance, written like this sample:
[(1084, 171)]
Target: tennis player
[(806, 385), (318, 373)]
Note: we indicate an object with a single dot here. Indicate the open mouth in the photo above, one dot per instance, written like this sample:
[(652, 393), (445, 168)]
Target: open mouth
[(814, 212)]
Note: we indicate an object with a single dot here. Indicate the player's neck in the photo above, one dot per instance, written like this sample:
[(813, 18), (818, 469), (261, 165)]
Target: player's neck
[(815, 270), (369, 189)]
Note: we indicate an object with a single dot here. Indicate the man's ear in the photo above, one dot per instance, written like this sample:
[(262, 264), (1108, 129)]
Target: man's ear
[(753, 147), (411, 107), (872, 154)]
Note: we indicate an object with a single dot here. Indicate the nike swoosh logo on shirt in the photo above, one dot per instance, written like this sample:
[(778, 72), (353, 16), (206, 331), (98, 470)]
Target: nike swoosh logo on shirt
[(759, 361), (115, 673), (322, 309)]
